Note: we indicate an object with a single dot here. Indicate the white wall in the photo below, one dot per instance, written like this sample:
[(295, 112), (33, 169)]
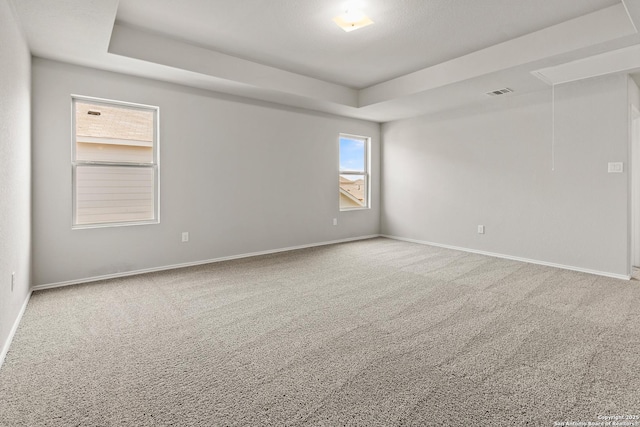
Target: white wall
[(444, 177), (239, 176), (634, 172), (15, 171)]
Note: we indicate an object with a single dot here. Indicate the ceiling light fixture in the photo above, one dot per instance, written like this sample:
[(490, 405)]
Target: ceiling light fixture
[(353, 18)]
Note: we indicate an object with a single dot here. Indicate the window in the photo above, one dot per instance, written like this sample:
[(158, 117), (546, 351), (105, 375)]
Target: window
[(354, 172), (114, 162)]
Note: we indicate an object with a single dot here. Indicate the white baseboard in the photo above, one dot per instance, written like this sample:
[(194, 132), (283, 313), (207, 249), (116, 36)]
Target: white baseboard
[(513, 258), (7, 344), (191, 264)]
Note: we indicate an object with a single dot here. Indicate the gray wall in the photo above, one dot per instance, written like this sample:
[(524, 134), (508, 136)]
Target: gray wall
[(443, 177), (634, 175), (15, 170), (239, 176)]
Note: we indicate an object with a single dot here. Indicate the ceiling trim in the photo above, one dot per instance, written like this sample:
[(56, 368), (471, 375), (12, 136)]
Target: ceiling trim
[(604, 25), (86, 33), (633, 10), (145, 46), (597, 27), (621, 60)]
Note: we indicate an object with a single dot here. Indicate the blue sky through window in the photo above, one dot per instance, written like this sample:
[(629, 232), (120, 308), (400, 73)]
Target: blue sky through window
[(352, 154)]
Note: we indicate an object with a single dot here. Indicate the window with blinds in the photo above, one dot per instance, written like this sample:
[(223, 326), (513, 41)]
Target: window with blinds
[(115, 163)]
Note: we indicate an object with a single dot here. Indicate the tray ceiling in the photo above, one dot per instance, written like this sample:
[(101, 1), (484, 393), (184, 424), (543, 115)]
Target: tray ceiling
[(419, 57)]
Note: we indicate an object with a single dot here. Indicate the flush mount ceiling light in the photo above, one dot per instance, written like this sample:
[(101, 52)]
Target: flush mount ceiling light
[(353, 18)]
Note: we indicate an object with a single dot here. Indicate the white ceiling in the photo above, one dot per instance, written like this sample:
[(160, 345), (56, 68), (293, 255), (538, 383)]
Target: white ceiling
[(300, 36), (420, 56)]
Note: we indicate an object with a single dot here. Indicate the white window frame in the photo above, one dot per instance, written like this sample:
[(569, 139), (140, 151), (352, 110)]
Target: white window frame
[(367, 168), (155, 165)]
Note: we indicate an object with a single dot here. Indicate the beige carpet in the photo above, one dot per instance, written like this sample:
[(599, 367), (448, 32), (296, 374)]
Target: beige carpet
[(370, 333)]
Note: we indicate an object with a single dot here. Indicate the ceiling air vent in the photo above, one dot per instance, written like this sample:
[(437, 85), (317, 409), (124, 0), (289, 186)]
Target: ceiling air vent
[(500, 92)]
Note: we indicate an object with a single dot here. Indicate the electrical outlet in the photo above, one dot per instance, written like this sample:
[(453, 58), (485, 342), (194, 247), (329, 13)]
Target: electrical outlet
[(335, 221), (615, 167), (185, 236), (13, 280), (481, 229)]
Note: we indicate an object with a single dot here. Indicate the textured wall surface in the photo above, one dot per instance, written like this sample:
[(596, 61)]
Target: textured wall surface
[(15, 170), (442, 178), (240, 177)]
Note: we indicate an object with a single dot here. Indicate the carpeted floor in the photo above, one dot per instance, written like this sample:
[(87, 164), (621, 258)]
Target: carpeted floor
[(370, 333)]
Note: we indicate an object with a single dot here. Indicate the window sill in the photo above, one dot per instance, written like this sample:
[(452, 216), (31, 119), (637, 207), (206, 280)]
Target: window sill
[(113, 224), (354, 209)]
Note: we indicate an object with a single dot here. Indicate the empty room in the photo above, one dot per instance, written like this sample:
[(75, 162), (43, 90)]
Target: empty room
[(337, 213)]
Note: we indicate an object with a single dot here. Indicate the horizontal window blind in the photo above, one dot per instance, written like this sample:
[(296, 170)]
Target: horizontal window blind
[(114, 193), (115, 163)]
